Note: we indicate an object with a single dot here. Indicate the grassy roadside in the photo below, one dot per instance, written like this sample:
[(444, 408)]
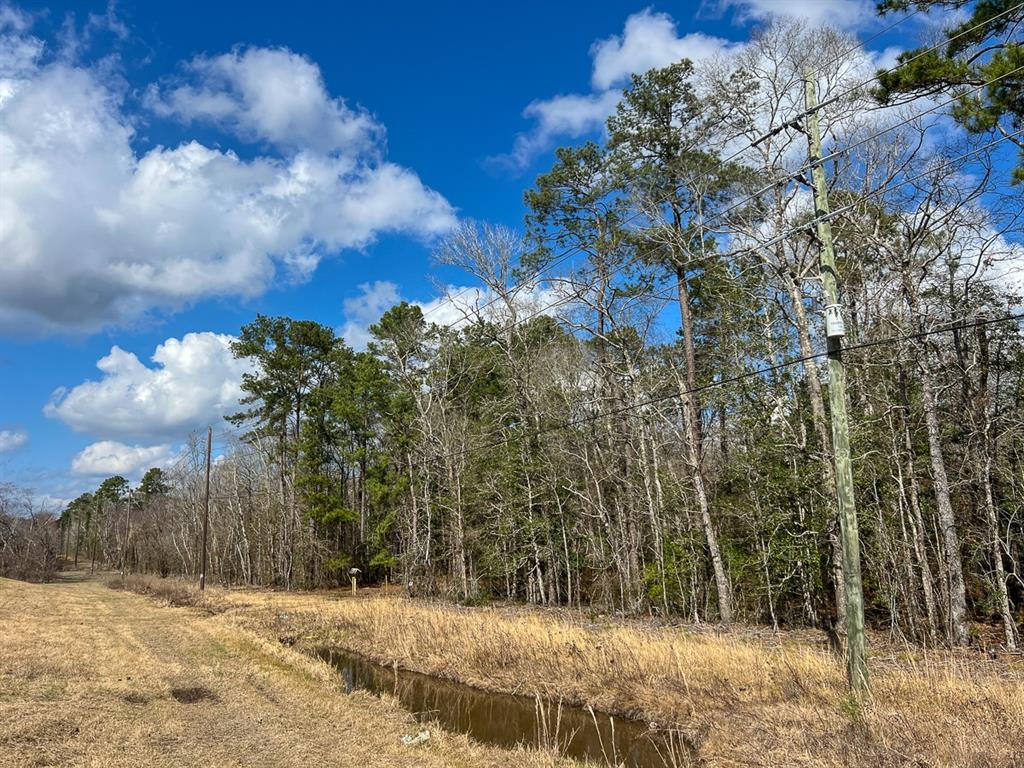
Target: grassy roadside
[(742, 700), (95, 677)]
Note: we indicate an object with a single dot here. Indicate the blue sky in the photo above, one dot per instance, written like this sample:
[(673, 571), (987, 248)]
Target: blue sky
[(171, 169)]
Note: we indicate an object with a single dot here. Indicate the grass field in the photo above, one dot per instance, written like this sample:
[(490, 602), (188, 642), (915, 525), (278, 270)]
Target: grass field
[(742, 698), (90, 676), (95, 676)]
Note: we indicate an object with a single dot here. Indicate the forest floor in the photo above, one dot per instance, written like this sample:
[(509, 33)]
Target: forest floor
[(90, 676)]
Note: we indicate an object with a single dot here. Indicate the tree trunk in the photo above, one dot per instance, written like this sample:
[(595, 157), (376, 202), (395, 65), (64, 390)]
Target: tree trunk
[(693, 450), (916, 518), (987, 449), (958, 631), (996, 548)]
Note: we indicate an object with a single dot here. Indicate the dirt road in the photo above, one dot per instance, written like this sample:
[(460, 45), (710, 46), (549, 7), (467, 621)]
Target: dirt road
[(91, 676)]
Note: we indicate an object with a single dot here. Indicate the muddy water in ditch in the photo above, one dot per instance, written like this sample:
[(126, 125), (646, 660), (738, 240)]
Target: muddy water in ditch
[(506, 720)]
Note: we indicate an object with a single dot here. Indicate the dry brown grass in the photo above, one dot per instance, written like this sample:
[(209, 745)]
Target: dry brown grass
[(743, 700), (95, 677)]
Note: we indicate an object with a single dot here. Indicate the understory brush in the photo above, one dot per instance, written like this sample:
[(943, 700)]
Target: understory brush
[(173, 591)]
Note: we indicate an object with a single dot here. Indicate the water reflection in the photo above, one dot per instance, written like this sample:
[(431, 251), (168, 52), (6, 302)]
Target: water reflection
[(505, 720)]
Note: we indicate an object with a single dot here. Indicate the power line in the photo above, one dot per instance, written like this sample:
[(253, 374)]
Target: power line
[(572, 250), (797, 174), (837, 153), (185, 457), (810, 223), (833, 99), (794, 229), (740, 377), (789, 177), (887, 187), (960, 325)]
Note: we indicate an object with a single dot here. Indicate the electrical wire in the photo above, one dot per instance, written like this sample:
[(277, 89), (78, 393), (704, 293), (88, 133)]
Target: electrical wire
[(960, 325), (790, 177), (963, 325), (572, 250), (794, 229), (794, 361), (795, 175)]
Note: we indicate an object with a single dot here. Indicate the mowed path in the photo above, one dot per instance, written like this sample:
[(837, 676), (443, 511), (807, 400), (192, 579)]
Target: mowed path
[(90, 676)]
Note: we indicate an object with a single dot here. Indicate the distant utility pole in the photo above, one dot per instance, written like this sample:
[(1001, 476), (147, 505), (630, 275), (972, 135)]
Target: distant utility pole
[(857, 669), (206, 513), (127, 534)]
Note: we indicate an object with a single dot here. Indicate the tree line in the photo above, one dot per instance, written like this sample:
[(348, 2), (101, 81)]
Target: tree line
[(631, 412)]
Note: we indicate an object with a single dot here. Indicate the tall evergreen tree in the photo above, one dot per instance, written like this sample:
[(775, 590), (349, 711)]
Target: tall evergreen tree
[(982, 65)]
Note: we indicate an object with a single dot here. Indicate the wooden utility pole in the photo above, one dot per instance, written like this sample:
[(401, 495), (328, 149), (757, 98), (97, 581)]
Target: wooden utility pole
[(206, 513), (127, 534), (857, 669), (78, 534)]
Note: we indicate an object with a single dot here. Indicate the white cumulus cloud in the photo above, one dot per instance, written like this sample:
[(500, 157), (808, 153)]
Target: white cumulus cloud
[(569, 116), (845, 14), (269, 94), (195, 381), (94, 233), (648, 40), (109, 457), (361, 311), (454, 308), (12, 439)]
